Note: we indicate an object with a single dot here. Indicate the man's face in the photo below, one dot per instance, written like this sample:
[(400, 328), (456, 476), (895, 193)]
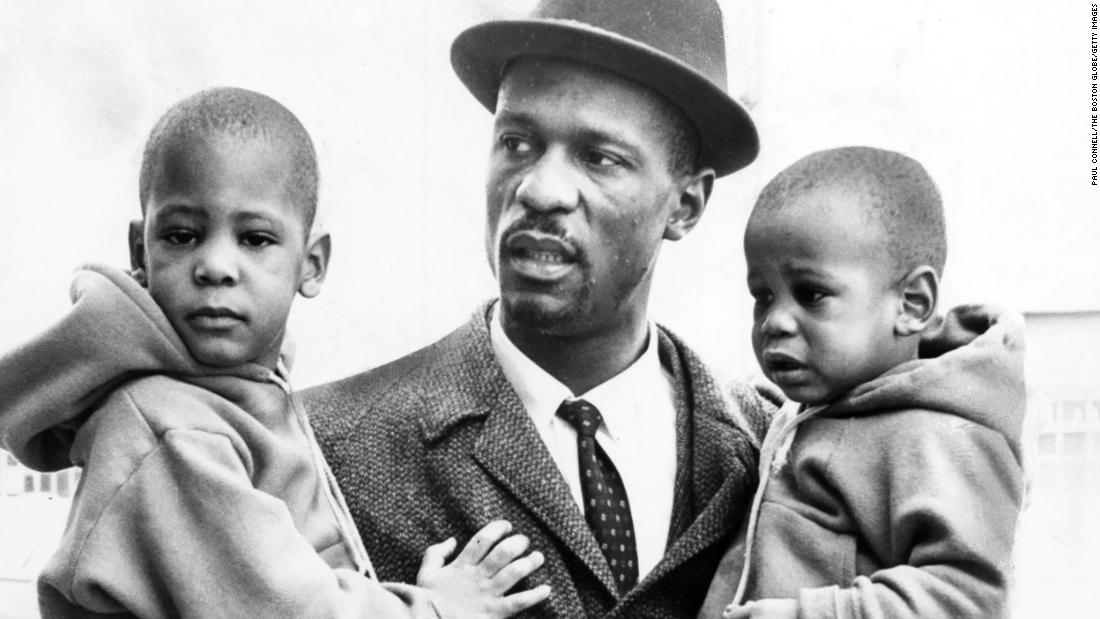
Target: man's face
[(579, 195), (224, 248), (826, 300)]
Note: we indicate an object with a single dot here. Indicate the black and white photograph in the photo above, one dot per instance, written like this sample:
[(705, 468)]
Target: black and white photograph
[(549, 308)]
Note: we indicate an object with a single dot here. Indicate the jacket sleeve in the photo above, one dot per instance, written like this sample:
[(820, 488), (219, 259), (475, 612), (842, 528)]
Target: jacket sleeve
[(171, 525), (938, 503)]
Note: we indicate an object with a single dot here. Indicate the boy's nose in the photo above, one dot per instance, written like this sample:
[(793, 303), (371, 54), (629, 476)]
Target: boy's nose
[(217, 265), (778, 321)]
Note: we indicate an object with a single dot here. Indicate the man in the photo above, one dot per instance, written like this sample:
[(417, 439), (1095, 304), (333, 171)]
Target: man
[(611, 124), (562, 408)]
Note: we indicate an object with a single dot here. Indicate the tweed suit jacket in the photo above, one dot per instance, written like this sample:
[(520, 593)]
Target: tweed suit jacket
[(437, 444)]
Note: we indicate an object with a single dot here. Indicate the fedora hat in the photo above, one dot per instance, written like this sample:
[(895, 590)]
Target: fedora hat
[(675, 48)]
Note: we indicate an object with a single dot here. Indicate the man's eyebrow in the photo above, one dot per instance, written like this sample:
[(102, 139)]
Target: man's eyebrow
[(603, 136), (514, 118)]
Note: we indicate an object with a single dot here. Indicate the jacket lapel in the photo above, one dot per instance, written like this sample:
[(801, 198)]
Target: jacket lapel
[(715, 470), (509, 448)]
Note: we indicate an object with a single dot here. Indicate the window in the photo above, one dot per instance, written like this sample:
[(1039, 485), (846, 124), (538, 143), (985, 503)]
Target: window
[(1073, 444), (1046, 444)]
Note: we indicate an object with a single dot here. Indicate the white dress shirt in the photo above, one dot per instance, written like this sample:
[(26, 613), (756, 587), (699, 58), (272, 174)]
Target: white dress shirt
[(638, 433)]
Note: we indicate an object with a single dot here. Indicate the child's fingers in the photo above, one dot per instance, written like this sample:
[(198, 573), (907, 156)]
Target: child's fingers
[(436, 555), (516, 571), (736, 612), (483, 541), (504, 553), (512, 604)]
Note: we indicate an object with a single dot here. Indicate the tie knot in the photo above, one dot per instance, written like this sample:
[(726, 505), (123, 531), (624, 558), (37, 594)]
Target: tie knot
[(584, 417)]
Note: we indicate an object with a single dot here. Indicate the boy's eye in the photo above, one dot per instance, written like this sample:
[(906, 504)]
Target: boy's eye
[(258, 239), (180, 237), (762, 297), (809, 296)]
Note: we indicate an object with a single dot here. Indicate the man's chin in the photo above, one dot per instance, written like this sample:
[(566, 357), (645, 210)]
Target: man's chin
[(536, 314)]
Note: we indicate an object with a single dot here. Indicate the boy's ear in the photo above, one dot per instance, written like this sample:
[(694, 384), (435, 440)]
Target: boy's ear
[(315, 264), (919, 296), (137, 250), (694, 194)]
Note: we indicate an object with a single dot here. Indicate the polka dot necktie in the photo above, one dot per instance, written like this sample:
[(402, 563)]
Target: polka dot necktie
[(606, 507)]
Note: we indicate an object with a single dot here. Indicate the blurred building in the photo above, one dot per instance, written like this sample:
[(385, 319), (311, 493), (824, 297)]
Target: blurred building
[(33, 510), (1064, 384), (18, 480), (1058, 542)]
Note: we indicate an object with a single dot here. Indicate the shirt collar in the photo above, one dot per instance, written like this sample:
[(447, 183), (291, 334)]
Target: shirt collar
[(540, 393)]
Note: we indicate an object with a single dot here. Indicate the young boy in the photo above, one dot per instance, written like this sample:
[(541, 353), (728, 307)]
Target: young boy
[(204, 493), (890, 486)]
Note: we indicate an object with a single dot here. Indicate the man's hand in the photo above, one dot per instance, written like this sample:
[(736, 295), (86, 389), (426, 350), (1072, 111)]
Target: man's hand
[(958, 328), (473, 585)]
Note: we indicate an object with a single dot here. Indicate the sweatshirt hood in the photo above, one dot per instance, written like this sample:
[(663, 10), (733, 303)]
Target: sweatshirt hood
[(114, 332), (982, 382)]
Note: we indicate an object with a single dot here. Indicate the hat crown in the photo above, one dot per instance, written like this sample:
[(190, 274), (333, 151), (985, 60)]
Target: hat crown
[(688, 30)]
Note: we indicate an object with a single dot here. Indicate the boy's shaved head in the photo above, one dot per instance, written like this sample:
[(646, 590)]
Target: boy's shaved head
[(236, 114), (899, 196)]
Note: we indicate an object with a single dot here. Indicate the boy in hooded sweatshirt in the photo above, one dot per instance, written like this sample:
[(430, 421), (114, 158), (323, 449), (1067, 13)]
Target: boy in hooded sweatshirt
[(204, 493), (890, 485)]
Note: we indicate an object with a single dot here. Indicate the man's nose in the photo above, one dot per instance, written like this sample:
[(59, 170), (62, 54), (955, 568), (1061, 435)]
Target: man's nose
[(550, 183), (216, 263)]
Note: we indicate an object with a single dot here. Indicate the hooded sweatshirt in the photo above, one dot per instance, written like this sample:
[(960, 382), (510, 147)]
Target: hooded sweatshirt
[(203, 493), (899, 500)]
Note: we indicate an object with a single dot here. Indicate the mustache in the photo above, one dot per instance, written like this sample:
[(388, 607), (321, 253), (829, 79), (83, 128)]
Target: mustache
[(547, 225), (544, 225)]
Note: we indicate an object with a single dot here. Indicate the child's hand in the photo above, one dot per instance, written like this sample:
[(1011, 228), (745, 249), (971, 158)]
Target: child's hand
[(473, 585), (763, 609)]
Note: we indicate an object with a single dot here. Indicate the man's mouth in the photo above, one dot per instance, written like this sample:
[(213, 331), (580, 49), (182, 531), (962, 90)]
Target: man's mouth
[(539, 256), (214, 318)]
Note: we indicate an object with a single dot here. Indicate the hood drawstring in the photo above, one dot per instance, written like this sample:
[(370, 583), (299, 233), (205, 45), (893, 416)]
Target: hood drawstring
[(333, 494), (773, 457)]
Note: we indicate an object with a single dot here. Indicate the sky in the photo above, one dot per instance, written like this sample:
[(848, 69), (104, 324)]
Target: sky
[(994, 102)]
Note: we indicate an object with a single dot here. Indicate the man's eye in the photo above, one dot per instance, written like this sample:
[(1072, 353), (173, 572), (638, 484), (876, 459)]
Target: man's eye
[(600, 159), (180, 237), (258, 239), (516, 144)]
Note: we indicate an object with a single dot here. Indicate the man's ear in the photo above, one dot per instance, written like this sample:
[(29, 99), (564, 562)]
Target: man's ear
[(919, 296), (315, 264), (137, 250), (694, 193)]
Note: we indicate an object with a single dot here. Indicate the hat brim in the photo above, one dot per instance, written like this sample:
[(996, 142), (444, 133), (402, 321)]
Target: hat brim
[(727, 134)]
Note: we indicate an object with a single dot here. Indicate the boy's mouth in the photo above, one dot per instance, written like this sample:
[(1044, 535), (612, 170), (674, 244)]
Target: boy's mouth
[(214, 318), (781, 363)]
